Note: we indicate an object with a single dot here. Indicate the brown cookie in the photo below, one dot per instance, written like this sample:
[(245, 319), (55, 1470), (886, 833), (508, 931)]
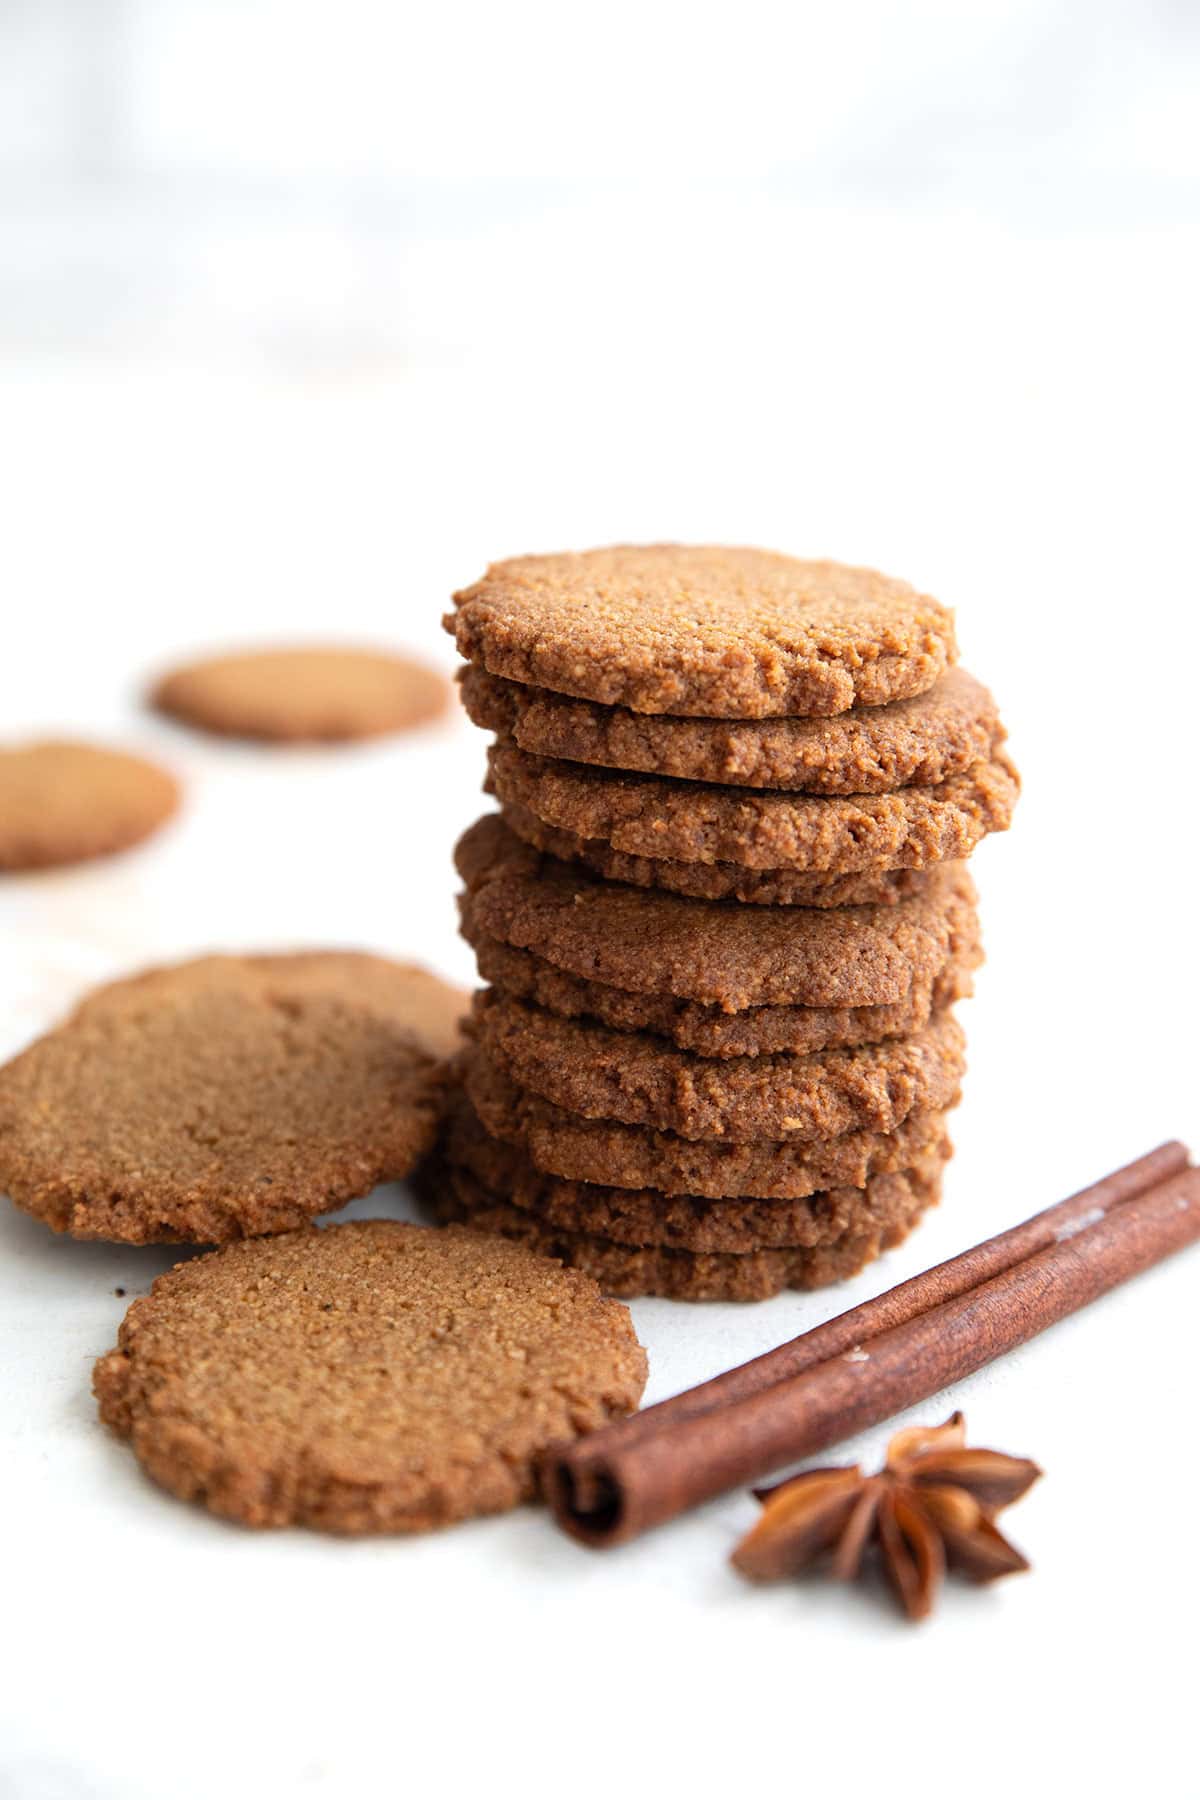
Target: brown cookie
[(644, 1217), (67, 802), (723, 633), (898, 1202), (920, 742), (227, 1097), (822, 834), (430, 1009), (715, 881), (602, 1074), (303, 695), (706, 1030), (709, 952), (608, 1153), (366, 1377)]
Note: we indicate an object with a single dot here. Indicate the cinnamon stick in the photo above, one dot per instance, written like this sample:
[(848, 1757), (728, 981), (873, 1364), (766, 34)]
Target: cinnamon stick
[(876, 1359)]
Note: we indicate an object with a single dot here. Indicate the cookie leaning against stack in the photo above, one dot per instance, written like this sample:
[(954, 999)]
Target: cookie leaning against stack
[(723, 912)]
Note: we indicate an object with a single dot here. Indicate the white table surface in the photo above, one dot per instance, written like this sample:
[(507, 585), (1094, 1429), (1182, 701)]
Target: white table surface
[(1039, 484)]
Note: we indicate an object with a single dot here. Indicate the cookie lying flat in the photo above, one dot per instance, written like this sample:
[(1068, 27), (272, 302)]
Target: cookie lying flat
[(708, 952), (724, 633), (872, 750), (646, 1218), (311, 695), (898, 1203), (227, 1097), (366, 1377), (714, 881), (706, 1030), (698, 822), (430, 1009), (602, 1074), (608, 1153), (66, 802)]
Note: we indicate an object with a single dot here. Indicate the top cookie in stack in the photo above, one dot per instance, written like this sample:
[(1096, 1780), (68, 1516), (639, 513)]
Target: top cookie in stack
[(668, 1086)]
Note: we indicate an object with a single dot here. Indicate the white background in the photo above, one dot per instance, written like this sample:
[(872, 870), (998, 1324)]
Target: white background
[(306, 314)]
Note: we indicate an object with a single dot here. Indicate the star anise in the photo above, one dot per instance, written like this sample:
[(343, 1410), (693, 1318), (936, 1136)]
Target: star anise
[(931, 1507)]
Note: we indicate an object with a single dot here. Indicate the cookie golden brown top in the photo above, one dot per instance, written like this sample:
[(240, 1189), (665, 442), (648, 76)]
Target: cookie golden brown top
[(709, 1030), (871, 750), (713, 880), (707, 951), (696, 822), (66, 802), (640, 1080), (722, 633), (308, 695), (226, 1097), (607, 1152), (366, 1377)]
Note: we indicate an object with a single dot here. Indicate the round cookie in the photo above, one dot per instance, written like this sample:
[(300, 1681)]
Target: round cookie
[(602, 1074), (645, 1218), (608, 1153), (370, 1377), (303, 695), (722, 633), (708, 952), (227, 1097), (697, 822), (706, 1030), (67, 802), (620, 1269), (916, 742), (430, 1009), (715, 881)]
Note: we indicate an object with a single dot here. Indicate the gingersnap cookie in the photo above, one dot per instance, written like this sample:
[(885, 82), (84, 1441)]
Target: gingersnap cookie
[(303, 695), (608, 1153), (707, 1030), (714, 881), (920, 741), (227, 1097), (602, 1074), (370, 1377), (722, 633), (67, 802), (645, 1217), (432, 1009), (622, 1270), (697, 822), (708, 952)]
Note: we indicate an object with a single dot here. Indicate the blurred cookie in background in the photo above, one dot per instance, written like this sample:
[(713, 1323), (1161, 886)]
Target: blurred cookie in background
[(313, 694), (65, 802)]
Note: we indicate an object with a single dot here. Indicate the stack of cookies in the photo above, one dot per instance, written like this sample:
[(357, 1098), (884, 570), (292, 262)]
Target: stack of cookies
[(723, 912)]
